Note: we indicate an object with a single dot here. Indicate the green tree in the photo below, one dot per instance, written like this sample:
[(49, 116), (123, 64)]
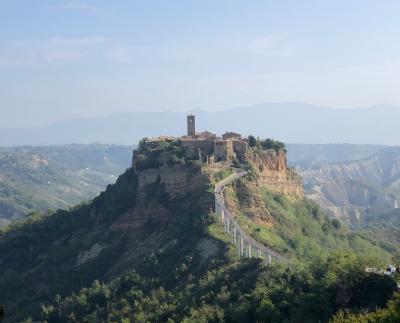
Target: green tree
[(272, 144), (336, 224), (252, 141)]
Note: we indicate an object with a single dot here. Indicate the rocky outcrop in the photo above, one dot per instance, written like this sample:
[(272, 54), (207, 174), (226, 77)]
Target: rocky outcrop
[(163, 179), (270, 171), (268, 159), (245, 197), (274, 174), (158, 190)]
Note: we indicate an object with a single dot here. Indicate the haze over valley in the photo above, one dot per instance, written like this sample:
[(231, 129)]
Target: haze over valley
[(291, 122)]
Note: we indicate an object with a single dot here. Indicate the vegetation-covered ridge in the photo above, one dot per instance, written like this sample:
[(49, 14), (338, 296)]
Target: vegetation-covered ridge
[(37, 179), (146, 251)]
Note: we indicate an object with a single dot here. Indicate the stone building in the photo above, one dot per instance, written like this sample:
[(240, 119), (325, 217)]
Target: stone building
[(207, 146), (191, 125), (231, 135), (241, 147), (223, 150)]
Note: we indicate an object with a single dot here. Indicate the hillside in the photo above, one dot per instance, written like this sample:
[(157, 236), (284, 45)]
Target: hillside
[(149, 249), (42, 178), (280, 120), (356, 190)]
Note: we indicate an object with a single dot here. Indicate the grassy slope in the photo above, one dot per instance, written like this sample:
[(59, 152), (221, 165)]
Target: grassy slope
[(302, 231)]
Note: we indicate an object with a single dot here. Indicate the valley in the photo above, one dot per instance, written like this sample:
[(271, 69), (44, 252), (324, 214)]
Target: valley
[(359, 192), (41, 179)]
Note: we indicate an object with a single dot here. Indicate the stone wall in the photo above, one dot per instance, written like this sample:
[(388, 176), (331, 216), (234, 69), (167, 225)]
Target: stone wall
[(192, 147), (241, 149), (223, 150)]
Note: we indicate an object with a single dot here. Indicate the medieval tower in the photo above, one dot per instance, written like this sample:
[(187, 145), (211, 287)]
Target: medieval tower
[(191, 125)]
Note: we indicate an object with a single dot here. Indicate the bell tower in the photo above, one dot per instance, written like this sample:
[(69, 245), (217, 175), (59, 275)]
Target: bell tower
[(191, 125)]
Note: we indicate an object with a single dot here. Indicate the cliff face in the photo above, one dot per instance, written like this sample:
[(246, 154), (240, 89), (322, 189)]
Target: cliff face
[(245, 197), (271, 173), (271, 168), (162, 186), (172, 178)]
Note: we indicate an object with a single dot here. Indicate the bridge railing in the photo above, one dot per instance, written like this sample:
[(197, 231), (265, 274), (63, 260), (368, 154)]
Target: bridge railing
[(246, 246)]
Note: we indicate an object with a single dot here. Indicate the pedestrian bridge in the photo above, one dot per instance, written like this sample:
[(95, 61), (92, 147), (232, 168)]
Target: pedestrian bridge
[(246, 246)]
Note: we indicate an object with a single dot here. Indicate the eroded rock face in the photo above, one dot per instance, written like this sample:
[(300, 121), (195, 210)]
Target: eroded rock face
[(271, 166), (166, 181), (357, 191), (272, 173), (268, 160), (159, 189), (245, 196)]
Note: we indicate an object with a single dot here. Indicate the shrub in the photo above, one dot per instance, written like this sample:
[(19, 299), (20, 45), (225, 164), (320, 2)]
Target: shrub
[(272, 144), (336, 224)]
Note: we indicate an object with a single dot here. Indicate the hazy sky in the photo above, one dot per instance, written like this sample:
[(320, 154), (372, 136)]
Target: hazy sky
[(67, 59)]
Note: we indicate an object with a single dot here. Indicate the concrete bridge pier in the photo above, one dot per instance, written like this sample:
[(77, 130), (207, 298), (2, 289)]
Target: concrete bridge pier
[(258, 251), (241, 246), (249, 252), (268, 259)]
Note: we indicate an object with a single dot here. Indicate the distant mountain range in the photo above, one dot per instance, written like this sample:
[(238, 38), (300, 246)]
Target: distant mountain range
[(288, 122), (309, 155)]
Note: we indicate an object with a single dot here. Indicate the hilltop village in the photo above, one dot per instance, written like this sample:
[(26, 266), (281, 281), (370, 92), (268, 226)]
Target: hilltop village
[(206, 146), (212, 153)]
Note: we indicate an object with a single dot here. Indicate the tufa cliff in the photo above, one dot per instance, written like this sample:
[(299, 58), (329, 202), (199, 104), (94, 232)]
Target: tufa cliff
[(273, 173), (164, 180)]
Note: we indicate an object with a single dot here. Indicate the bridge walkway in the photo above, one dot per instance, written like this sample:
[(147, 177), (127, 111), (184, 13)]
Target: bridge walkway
[(246, 246)]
